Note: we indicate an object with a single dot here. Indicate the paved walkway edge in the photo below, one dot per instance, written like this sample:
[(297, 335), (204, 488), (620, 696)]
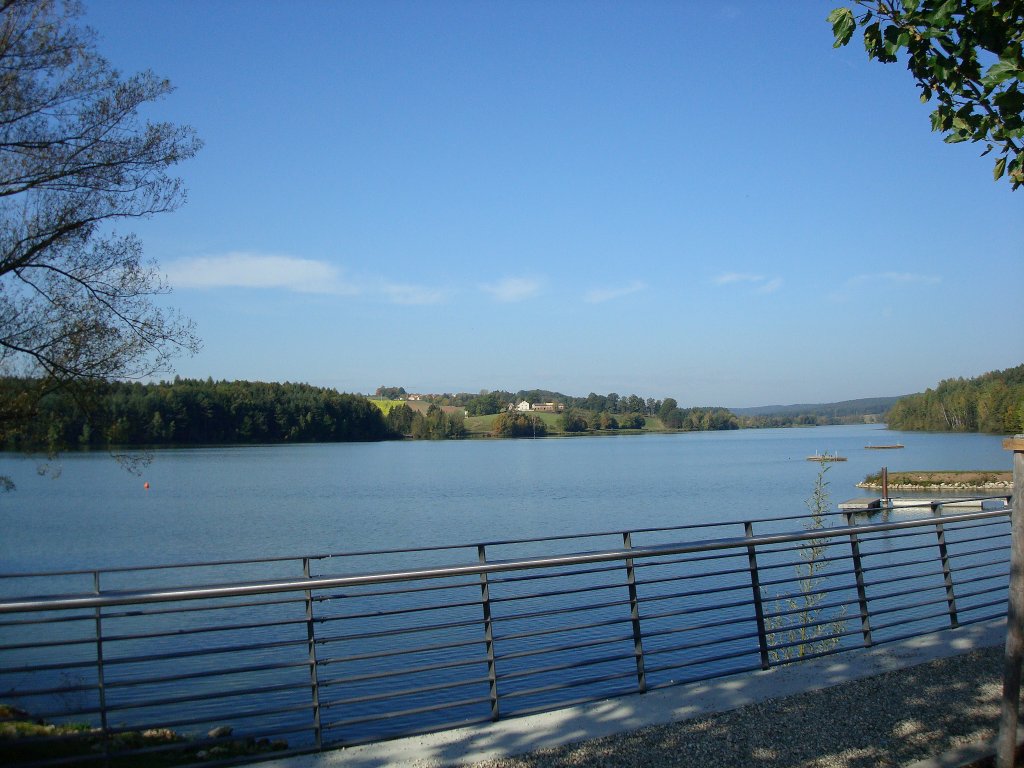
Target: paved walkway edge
[(518, 735)]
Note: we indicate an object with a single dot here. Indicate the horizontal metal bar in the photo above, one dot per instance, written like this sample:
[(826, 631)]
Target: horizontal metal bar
[(903, 563), (399, 611), (88, 664), (49, 644), (161, 611), (392, 651), (575, 646), (391, 715), (962, 555), (940, 614), (557, 575), (905, 607), (110, 682), (505, 620), (329, 597), (553, 593), (91, 617), (400, 631), (718, 674), (561, 629), (696, 593), (196, 631), (570, 684), (192, 698), (708, 660), (933, 577), (497, 566), (964, 594), (710, 642), (391, 673), (647, 581), (526, 673), (698, 609), (695, 627), (111, 660), (329, 703)]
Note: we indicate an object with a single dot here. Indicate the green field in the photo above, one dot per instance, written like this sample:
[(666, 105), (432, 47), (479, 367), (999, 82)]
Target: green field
[(481, 425), (386, 406)]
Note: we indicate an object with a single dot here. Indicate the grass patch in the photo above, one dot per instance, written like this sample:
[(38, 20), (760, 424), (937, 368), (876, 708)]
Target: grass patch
[(24, 739), (965, 479), (386, 406)]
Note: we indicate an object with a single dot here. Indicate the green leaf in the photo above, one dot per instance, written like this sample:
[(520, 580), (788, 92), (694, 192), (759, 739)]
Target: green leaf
[(942, 15), (999, 169), (872, 39), (1001, 71), (843, 25)]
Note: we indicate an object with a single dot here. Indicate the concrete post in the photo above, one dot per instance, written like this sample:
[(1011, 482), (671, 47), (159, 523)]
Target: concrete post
[(1006, 745)]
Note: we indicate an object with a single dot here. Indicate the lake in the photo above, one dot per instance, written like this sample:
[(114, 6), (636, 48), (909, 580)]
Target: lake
[(393, 661), (262, 501)]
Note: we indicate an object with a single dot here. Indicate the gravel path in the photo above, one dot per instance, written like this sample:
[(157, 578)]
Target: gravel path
[(892, 719)]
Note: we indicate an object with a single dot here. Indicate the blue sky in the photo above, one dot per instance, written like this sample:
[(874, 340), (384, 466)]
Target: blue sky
[(697, 200)]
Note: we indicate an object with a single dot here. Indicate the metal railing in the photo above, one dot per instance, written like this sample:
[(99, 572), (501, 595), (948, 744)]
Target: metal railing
[(289, 655)]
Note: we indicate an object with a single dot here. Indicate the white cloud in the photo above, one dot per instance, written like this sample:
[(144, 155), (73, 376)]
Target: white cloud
[(892, 279), (513, 288), (855, 287), (907, 278), (598, 295), (760, 283), (413, 294), (257, 270), (291, 273), (737, 277)]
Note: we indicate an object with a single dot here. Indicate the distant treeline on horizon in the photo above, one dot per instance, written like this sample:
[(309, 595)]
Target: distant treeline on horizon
[(207, 412), (992, 402)]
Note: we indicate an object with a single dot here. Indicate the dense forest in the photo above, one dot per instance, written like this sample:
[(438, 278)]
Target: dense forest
[(993, 402), (192, 412)]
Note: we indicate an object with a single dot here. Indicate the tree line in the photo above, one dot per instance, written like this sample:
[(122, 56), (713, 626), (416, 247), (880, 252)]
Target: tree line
[(189, 412), (992, 402)]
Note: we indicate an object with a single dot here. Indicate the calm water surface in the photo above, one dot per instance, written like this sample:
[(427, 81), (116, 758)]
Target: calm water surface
[(242, 502)]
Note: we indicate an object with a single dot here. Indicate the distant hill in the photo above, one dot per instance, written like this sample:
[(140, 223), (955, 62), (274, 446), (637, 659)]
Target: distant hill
[(865, 406)]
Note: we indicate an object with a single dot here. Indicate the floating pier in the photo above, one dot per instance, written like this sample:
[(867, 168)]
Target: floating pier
[(826, 457), (874, 503)]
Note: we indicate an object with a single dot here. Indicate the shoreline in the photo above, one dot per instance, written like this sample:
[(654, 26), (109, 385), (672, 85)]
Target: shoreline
[(958, 480), (939, 487)]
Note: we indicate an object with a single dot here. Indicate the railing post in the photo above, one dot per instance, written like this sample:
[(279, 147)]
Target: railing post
[(1006, 744), (314, 679), (947, 575), (862, 593), (755, 586), (492, 673), (100, 683), (634, 615)]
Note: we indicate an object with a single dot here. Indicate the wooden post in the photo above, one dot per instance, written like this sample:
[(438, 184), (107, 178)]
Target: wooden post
[(1006, 745)]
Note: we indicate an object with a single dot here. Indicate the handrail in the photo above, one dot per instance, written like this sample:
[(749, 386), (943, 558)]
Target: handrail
[(115, 598)]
